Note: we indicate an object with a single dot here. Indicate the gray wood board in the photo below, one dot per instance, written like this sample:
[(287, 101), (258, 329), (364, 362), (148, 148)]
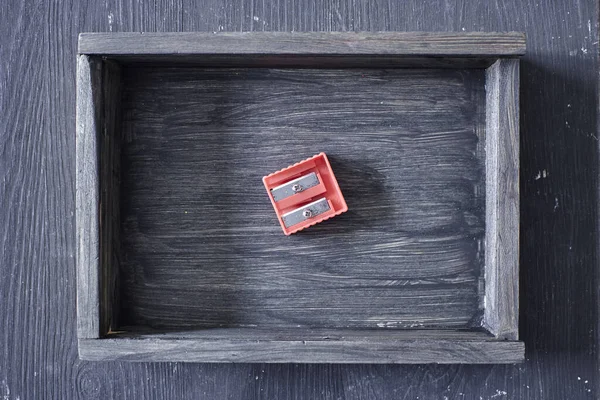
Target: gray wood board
[(368, 349), (109, 172), (501, 311), (252, 43), (559, 256), (201, 243), (299, 334), (302, 345), (89, 124), (335, 61)]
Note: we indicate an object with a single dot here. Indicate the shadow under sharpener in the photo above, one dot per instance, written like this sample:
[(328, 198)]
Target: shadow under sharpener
[(305, 194)]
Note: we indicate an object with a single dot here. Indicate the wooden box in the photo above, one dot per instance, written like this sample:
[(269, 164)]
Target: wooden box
[(180, 256)]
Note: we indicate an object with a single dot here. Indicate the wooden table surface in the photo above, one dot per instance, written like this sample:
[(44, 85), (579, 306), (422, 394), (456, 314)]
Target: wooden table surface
[(559, 202)]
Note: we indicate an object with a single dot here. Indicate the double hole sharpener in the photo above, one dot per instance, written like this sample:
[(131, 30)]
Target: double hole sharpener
[(305, 194)]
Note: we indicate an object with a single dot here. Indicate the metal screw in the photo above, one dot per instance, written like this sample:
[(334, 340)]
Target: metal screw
[(307, 213), (296, 188)]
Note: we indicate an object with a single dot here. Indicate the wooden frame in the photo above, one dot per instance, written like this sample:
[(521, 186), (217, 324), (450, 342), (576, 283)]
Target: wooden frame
[(101, 56)]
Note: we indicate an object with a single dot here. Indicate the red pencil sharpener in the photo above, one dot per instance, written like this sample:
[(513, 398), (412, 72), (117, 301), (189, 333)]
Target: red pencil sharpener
[(305, 194)]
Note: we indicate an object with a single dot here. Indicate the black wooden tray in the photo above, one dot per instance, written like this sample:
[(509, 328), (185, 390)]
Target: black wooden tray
[(180, 256)]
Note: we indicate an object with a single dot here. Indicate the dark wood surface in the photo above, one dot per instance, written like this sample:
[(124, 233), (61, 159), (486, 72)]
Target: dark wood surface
[(559, 193), (295, 43), (197, 223), (306, 49)]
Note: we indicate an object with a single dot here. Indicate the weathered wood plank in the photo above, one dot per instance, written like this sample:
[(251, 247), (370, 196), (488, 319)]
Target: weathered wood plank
[(298, 334), (257, 43), (369, 349), (303, 61), (109, 198), (89, 126), (501, 314)]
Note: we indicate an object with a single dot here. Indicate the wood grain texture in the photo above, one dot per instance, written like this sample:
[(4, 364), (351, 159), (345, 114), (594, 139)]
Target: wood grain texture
[(109, 174), (97, 194), (301, 345), (299, 334), (89, 127), (501, 311), (559, 248), (401, 348), (405, 149), (265, 43), (303, 61)]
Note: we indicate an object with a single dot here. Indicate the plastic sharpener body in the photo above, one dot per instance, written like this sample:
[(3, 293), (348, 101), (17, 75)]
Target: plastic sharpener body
[(305, 194)]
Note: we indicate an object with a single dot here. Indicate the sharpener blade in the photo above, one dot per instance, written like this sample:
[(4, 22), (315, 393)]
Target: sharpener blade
[(294, 186), (305, 212)]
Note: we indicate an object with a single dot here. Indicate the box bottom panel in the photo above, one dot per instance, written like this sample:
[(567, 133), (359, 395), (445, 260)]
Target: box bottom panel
[(200, 244)]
